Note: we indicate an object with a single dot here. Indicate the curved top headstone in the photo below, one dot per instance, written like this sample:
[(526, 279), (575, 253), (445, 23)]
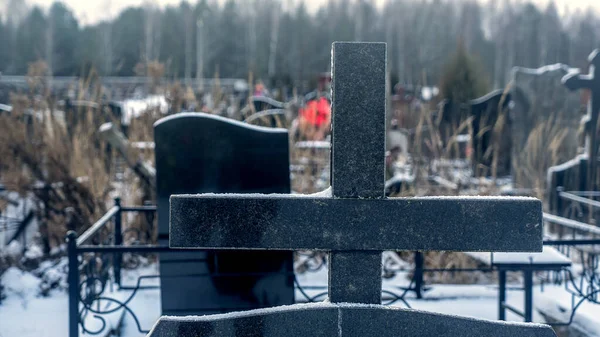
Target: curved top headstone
[(328, 320), (202, 153)]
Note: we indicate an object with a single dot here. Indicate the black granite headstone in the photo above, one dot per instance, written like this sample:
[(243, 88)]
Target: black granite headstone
[(354, 224), (491, 134), (199, 153)]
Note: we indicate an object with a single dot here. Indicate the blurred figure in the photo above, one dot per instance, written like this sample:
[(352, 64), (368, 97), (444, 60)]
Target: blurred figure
[(314, 118), (260, 90)]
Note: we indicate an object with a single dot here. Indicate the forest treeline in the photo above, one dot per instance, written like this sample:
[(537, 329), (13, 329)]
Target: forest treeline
[(275, 40)]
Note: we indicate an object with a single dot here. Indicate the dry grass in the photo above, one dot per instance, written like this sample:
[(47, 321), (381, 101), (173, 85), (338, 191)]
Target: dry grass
[(57, 160), (66, 173), (548, 144), (75, 170)]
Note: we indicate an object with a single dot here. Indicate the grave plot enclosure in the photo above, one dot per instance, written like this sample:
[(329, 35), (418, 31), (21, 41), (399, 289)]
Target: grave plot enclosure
[(581, 172), (355, 224), (543, 112)]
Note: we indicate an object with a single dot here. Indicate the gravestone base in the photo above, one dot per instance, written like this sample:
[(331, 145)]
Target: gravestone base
[(343, 319)]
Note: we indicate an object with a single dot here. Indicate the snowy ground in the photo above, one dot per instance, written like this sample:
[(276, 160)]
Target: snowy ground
[(24, 314)]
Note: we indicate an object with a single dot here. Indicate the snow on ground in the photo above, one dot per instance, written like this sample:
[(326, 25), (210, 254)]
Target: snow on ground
[(24, 314), (557, 303), (133, 108)]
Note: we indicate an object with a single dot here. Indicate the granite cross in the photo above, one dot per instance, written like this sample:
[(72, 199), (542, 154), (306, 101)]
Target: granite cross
[(355, 224), (590, 81)]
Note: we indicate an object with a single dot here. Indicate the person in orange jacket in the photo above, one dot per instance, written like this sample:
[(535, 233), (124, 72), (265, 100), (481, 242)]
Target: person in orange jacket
[(315, 117)]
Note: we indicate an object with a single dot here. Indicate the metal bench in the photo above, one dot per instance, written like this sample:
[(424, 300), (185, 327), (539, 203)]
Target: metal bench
[(527, 263)]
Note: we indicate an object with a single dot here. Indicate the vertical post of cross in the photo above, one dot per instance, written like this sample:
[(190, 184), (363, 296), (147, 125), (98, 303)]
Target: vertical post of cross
[(357, 158)]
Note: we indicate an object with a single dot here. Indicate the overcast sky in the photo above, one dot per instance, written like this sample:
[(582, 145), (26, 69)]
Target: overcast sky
[(90, 11)]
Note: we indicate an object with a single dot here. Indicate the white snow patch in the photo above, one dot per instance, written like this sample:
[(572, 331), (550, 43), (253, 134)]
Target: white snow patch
[(105, 127), (549, 255), (134, 108), (313, 145), (556, 303), (14, 250), (34, 252), (20, 283)]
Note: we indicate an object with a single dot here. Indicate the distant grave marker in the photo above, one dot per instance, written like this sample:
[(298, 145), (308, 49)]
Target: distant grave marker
[(539, 99), (491, 140), (355, 225), (579, 173), (591, 82)]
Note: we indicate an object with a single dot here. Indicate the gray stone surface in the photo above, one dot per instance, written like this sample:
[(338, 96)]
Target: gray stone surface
[(325, 319), (286, 222), (358, 122), (357, 157), (355, 277)]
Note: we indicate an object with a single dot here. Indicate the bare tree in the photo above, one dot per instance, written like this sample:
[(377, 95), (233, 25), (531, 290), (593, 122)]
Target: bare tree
[(274, 39)]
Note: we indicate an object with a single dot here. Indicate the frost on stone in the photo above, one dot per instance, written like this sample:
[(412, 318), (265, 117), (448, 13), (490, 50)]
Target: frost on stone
[(202, 115), (323, 194)]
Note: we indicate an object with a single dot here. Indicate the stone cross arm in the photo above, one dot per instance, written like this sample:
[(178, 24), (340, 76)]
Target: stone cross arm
[(286, 222)]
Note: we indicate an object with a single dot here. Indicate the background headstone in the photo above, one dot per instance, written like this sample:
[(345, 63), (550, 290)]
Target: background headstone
[(545, 120), (580, 173), (199, 153), (491, 134)]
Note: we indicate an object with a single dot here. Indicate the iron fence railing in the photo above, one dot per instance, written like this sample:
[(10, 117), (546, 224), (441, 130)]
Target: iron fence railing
[(96, 263)]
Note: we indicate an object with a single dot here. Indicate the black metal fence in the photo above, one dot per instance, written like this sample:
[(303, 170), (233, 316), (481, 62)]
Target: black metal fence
[(96, 263)]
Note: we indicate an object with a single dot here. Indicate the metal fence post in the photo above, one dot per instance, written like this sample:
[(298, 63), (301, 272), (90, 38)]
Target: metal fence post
[(559, 202), (528, 280), (419, 262), (501, 295), (73, 279), (118, 240)]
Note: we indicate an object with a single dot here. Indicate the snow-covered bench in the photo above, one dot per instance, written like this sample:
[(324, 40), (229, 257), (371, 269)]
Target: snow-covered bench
[(548, 260)]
